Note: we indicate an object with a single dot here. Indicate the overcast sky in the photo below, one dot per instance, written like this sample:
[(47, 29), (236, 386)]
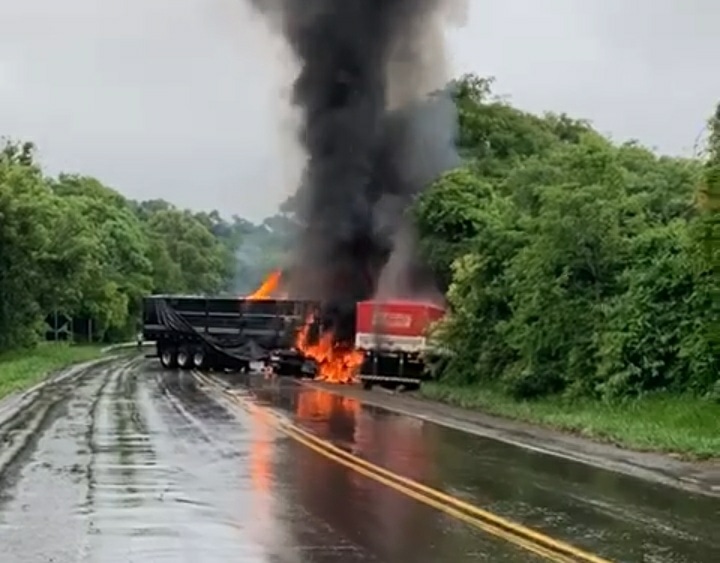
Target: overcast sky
[(178, 98)]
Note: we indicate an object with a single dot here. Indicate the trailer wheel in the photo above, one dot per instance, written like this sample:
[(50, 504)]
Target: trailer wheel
[(168, 357), (184, 359), (367, 385), (199, 360)]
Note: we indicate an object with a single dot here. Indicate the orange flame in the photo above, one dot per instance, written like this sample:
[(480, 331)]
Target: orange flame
[(268, 287), (336, 363)]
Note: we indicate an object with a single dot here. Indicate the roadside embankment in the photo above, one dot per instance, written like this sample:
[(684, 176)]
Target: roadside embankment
[(22, 369), (685, 426)]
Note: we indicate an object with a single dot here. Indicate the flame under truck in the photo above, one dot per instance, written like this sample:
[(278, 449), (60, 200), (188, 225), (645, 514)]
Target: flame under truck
[(393, 337)]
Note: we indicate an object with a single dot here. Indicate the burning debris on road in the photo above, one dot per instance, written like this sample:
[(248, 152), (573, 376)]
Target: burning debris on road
[(378, 128)]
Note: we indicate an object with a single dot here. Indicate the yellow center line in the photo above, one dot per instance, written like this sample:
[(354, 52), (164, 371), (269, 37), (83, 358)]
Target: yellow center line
[(475, 522), (488, 522)]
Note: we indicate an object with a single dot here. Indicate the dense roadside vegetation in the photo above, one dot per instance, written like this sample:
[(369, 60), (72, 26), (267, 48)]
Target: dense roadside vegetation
[(74, 249), (74, 246), (583, 278)]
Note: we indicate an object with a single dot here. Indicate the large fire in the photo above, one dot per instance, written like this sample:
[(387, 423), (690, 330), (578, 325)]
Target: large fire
[(336, 363)]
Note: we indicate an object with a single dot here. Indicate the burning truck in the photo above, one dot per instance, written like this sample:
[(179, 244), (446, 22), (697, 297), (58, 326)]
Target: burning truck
[(389, 343), (378, 125)]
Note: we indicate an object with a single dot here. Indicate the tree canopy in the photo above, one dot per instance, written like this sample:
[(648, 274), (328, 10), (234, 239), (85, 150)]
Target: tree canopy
[(572, 264), (73, 245)]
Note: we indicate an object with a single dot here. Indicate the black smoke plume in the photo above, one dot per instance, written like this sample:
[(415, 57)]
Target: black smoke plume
[(374, 139)]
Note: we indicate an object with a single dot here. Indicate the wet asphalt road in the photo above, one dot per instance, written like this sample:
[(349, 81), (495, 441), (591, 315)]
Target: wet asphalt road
[(125, 462)]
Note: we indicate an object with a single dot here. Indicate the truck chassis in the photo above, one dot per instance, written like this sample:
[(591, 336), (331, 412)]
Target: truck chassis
[(403, 370)]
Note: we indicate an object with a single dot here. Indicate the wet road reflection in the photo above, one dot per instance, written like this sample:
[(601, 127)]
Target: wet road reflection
[(133, 464), (364, 520), (617, 516)]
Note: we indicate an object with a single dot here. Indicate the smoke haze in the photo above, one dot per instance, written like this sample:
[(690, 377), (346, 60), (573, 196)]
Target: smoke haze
[(374, 137)]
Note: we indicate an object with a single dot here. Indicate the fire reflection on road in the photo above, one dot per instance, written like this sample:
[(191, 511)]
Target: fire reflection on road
[(262, 476), (399, 444)]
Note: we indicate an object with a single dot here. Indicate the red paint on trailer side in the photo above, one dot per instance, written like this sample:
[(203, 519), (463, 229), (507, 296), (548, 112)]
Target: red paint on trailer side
[(396, 318)]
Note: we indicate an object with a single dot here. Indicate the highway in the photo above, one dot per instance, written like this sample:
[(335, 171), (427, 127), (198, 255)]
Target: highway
[(121, 461)]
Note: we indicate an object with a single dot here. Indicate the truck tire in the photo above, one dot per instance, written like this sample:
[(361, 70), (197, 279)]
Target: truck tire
[(199, 359), (168, 357), (184, 358)]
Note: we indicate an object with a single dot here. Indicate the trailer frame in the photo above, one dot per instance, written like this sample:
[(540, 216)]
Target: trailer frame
[(226, 334)]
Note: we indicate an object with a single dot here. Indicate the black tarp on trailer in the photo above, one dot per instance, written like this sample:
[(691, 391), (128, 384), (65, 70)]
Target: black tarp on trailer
[(225, 332)]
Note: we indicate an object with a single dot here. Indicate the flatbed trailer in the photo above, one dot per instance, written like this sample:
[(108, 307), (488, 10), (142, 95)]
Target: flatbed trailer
[(226, 333)]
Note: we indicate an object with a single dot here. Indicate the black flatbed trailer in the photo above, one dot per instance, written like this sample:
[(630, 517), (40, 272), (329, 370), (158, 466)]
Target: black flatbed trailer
[(210, 333)]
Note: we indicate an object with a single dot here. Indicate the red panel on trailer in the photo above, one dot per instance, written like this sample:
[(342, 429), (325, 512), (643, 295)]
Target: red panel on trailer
[(396, 318)]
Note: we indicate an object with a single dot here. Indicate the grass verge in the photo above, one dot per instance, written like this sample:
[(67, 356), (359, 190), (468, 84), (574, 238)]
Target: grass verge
[(21, 369), (686, 426)]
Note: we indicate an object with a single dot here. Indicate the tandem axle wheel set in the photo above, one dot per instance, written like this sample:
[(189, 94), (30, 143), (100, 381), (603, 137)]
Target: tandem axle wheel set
[(195, 356), (183, 356)]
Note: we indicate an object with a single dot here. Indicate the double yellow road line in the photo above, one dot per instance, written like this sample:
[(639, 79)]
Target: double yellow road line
[(512, 532)]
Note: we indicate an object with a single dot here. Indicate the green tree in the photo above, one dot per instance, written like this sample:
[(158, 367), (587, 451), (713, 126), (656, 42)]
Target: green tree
[(204, 264), (122, 272), (73, 245), (572, 264)]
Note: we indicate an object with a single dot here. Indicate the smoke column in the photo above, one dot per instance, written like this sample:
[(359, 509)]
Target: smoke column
[(374, 138)]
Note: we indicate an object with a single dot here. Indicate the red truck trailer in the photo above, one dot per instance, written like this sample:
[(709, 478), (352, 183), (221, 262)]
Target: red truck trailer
[(393, 337)]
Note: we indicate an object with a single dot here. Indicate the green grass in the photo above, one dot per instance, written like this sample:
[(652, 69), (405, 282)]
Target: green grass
[(686, 426), (24, 368)]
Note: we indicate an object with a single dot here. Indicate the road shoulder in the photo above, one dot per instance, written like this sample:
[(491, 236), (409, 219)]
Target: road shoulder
[(696, 476), (24, 396)]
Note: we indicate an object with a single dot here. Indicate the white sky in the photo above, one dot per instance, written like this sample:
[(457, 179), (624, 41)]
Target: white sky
[(179, 99)]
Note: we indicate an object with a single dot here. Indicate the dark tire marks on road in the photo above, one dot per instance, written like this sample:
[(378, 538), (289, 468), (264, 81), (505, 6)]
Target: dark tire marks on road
[(29, 416), (128, 484), (43, 479)]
